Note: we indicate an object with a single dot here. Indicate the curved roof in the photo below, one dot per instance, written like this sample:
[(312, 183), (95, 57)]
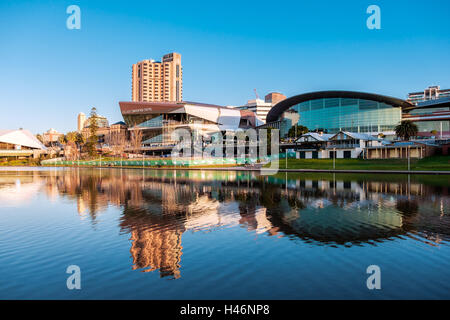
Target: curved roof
[(282, 106), (224, 118)]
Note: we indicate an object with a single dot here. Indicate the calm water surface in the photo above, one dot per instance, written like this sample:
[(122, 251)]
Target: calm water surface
[(221, 235)]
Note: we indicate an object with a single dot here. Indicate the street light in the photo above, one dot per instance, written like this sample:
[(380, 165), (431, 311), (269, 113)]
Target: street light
[(409, 161), (334, 158)]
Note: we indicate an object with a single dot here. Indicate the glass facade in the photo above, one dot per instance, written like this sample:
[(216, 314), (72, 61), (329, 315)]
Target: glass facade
[(429, 126), (158, 127), (355, 115)]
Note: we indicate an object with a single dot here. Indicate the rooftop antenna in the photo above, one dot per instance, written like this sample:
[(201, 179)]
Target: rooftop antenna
[(256, 93)]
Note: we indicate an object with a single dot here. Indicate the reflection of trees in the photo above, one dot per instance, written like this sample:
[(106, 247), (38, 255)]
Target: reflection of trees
[(159, 206)]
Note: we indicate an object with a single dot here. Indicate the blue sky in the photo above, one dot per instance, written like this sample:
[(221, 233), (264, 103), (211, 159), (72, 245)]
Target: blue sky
[(48, 74)]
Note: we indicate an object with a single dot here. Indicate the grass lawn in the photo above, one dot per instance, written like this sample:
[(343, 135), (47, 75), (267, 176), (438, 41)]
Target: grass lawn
[(434, 163), (21, 162)]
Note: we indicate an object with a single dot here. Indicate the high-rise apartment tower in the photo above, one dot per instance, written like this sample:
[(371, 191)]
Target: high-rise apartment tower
[(158, 80)]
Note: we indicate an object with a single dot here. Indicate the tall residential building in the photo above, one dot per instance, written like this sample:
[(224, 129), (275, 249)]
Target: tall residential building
[(430, 93), (81, 121), (156, 81)]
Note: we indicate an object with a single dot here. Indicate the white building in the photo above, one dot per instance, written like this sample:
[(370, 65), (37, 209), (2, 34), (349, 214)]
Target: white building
[(19, 143), (342, 145), (259, 107)]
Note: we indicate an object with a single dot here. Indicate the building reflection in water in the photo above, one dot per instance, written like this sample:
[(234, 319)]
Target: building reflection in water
[(159, 206)]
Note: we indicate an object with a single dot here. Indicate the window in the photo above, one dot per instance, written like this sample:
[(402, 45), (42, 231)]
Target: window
[(367, 105), (349, 102), (316, 104), (330, 103), (347, 154), (304, 106)]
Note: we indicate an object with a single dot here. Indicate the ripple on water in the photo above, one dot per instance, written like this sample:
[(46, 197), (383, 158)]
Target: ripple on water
[(144, 235)]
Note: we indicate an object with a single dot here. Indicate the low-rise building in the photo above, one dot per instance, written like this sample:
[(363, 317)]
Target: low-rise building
[(342, 145), (311, 144), (51, 137), (348, 145), (20, 143), (401, 150)]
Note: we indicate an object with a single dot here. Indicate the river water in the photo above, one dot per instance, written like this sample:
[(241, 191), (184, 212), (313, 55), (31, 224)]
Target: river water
[(166, 234)]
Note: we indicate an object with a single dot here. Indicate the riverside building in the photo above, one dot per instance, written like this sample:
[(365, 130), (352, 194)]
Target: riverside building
[(158, 120), (360, 112)]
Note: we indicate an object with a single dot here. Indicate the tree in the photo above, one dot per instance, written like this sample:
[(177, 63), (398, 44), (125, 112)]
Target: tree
[(72, 146), (71, 136), (136, 140), (62, 139), (300, 130), (406, 129), (117, 140), (40, 138), (91, 144)]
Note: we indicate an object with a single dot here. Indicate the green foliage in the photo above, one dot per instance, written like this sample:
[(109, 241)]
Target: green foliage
[(406, 129), (433, 163), (93, 125), (62, 139), (269, 139), (19, 162), (300, 130), (40, 138), (91, 143), (72, 136)]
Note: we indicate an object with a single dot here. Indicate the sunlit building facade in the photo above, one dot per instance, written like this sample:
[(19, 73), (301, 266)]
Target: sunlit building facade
[(158, 80), (158, 120), (432, 117), (19, 143), (430, 93), (348, 114), (335, 111)]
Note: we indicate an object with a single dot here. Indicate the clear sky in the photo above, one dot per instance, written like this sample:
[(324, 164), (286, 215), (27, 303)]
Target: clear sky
[(48, 73)]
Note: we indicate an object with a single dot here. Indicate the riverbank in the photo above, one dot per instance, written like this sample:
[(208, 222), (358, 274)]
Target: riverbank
[(430, 165), (435, 163)]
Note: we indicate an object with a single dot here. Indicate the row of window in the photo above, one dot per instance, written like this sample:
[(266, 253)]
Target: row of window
[(332, 154), (340, 102)]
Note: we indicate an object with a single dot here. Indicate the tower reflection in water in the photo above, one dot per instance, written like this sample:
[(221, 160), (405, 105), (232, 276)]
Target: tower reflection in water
[(159, 206)]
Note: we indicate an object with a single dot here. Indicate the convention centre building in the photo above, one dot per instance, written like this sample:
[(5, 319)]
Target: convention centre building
[(360, 112)]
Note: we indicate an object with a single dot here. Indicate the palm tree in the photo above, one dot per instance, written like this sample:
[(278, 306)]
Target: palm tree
[(406, 129)]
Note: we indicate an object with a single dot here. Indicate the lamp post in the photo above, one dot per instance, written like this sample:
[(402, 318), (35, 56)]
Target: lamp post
[(409, 160), (286, 151), (334, 158)]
